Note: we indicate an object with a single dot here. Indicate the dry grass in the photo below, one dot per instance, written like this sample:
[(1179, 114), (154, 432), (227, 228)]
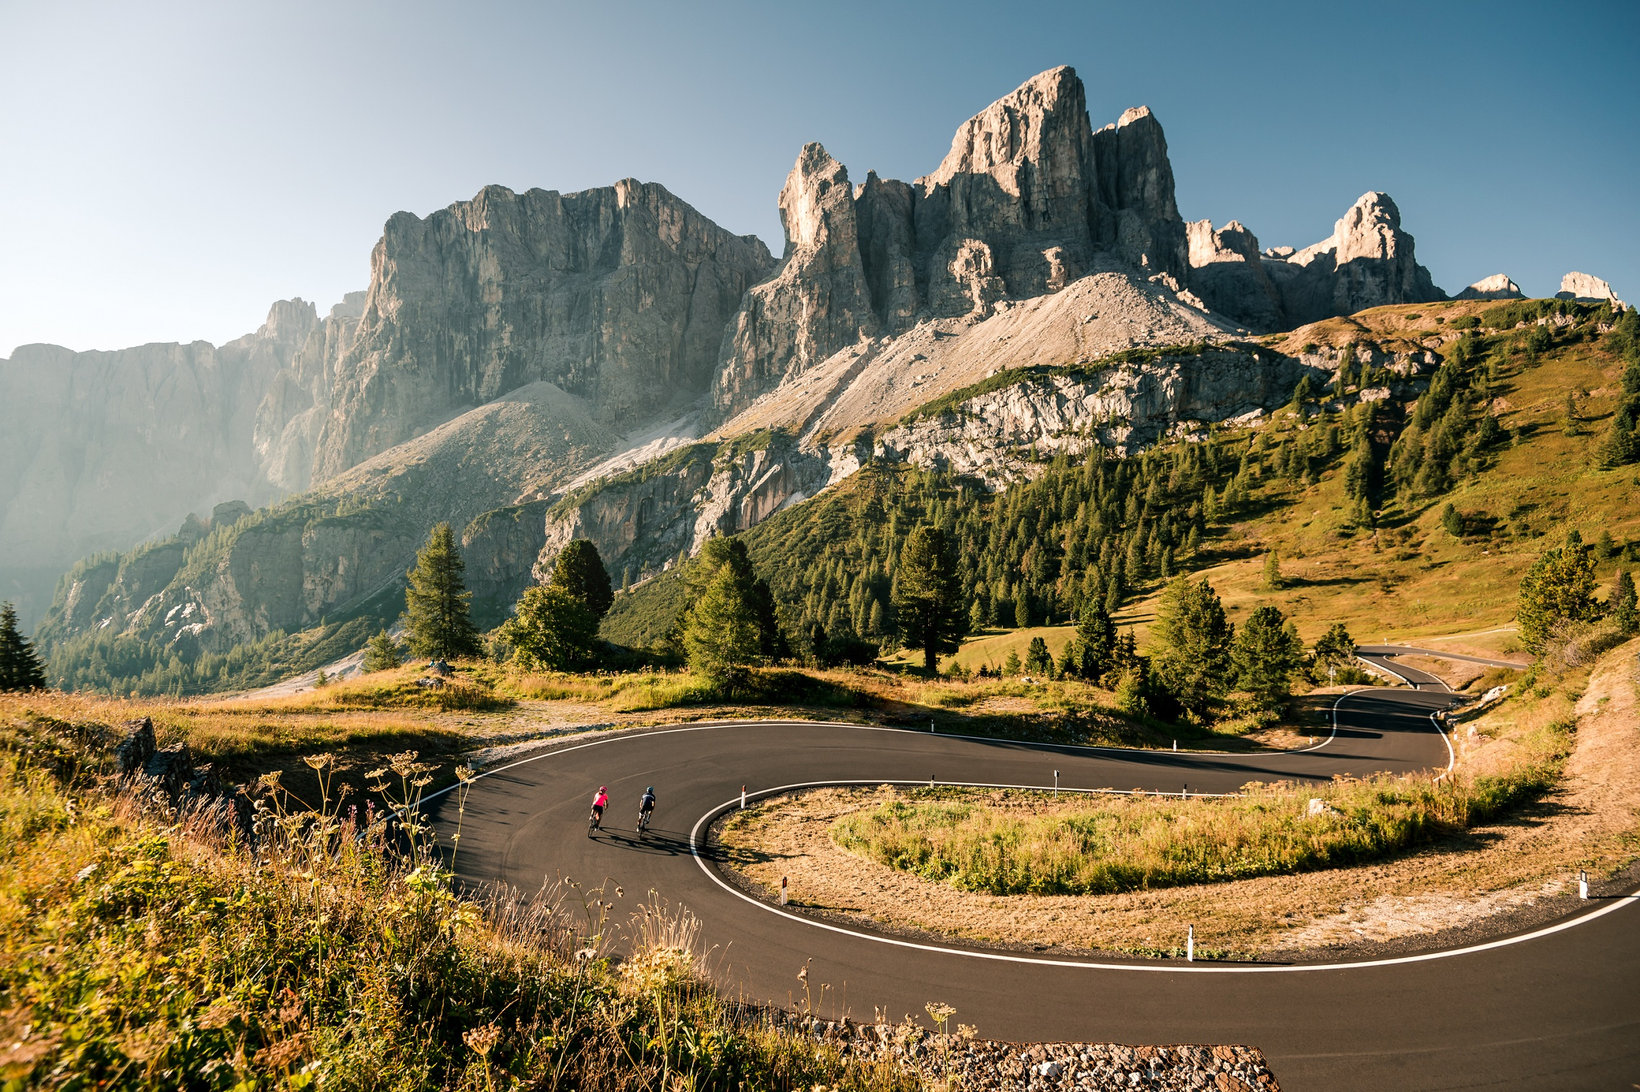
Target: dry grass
[(1590, 820)]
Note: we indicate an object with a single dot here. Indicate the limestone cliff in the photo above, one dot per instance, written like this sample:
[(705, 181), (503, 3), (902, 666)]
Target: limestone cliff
[(101, 450), (1367, 261), (1583, 286), (618, 295), (1029, 199), (1496, 287)]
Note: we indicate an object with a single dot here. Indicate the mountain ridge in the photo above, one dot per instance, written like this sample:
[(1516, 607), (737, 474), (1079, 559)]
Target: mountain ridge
[(1037, 240)]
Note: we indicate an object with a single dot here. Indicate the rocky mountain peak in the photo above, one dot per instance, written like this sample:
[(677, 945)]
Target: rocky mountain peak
[(1042, 125), (1585, 286), (816, 202), (1496, 287)]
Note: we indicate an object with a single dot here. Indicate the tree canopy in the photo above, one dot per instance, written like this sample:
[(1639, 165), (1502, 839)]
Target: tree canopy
[(551, 628), (580, 571), (927, 600), (1559, 587), (720, 633), (437, 602), (382, 652)]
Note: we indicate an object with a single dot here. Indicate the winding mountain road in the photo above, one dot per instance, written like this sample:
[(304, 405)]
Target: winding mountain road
[(1559, 1008)]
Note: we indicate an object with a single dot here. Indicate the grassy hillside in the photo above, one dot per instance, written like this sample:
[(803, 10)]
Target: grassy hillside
[(144, 949), (1329, 486)]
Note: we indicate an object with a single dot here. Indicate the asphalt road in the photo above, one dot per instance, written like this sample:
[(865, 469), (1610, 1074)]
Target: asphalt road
[(1560, 1010)]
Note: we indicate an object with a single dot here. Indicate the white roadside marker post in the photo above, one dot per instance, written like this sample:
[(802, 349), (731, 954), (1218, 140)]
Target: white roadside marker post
[(1190, 945), (743, 798), (1175, 745), (931, 781), (784, 895), (1582, 884), (1056, 784)]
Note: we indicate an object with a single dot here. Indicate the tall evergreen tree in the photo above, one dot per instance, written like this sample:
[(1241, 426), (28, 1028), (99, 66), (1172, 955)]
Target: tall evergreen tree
[(436, 604), (1559, 587), (20, 667), (1623, 607), (1273, 580), (926, 597), (1192, 660), (580, 571), (720, 633), (1037, 659), (1265, 653), (1095, 642)]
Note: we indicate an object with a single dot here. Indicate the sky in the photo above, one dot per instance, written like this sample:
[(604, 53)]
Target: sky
[(168, 170)]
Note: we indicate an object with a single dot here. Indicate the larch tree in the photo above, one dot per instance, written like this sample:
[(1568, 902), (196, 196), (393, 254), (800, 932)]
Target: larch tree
[(927, 601), (1623, 607), (382, 652), (437, 604)]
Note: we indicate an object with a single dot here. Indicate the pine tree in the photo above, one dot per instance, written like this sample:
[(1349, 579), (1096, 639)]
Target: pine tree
[(1095, 642), (927, 602), (731, 622), (436, 604), (1619, 446), (1452, 521), (1011, 666), (552, 628), (1559, 587), (1037, 660), (1265, 653), (382, 652), (1623, 608), (20, 667), (1193, 658), (720, 633), (580, 571)]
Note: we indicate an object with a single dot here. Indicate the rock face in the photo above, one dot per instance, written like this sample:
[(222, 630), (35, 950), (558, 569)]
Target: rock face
[(1227, 272), (115, 447), (1582, 286), (1367, 261), (1028, 200), (618, 295), (1496, 287), (818, 301)]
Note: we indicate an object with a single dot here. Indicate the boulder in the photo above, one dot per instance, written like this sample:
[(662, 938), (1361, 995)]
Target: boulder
[(132, 753)]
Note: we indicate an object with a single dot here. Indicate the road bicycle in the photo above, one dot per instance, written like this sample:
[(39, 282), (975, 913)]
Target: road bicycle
[(643, 819), (594, 821)]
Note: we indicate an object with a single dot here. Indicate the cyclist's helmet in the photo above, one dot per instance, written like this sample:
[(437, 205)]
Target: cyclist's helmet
[(650, 790), (603, 788)]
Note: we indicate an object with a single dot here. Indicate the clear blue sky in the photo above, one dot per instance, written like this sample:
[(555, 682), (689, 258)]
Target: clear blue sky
[(167, 169)]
